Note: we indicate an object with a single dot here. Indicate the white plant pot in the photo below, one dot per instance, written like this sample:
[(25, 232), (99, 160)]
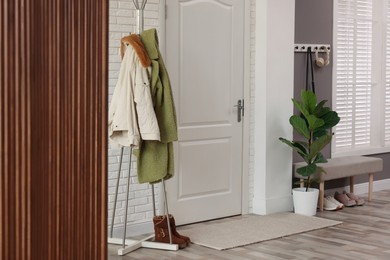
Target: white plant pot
[(305, 203)]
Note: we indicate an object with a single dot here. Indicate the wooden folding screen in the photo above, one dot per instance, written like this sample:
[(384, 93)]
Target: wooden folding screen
[(53, 118)]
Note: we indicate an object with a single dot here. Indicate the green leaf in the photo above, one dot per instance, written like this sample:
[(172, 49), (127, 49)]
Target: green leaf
[(304, 144), (314, 122), (304, 156), (323, 112), (331, 118), (320, 108), (306, 182), (318, 145), (299, 124), (300, 148), (296, 146), (299, 105), (309, 100), (320, 159), (307, 170), (320, 132)]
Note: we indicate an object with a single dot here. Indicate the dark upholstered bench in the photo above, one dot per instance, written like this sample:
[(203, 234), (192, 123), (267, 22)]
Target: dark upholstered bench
[(342, 167)]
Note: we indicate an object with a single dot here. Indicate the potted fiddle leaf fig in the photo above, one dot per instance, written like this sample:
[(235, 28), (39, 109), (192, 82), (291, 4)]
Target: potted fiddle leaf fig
[(314, 127)]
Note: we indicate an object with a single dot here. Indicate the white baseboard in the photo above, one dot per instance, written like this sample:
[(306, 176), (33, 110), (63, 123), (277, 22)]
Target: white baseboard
[(284, 204), (362, 188), (134, 230)]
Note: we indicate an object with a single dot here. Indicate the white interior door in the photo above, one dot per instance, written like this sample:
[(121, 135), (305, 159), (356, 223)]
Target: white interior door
[(204, 56)]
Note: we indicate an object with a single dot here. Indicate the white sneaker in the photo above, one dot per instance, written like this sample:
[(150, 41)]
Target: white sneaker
[(329, 204), (340, 205)]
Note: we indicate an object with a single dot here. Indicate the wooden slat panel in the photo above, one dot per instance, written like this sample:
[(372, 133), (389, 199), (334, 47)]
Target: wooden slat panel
[(53, 134)]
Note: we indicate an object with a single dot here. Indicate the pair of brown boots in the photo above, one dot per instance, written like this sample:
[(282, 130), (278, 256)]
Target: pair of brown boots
[(162, 234)]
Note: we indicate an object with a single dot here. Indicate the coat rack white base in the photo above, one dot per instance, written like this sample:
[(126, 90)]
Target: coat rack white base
[(132, 245)]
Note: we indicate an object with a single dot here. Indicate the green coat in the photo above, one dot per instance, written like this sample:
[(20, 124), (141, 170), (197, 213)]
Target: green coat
[(155, 159)]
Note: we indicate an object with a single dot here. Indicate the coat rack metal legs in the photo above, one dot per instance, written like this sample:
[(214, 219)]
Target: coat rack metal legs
[(129, 245)]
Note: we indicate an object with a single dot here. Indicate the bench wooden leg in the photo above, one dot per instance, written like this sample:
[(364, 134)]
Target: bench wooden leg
[(301, 183), (321, 196), (351, 184), (370, 185)]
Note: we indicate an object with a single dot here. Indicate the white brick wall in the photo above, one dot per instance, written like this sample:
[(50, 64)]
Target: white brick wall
[(122, 22), (252, 103)]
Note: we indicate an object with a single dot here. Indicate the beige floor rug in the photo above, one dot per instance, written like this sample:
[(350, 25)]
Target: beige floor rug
[(248, 229)]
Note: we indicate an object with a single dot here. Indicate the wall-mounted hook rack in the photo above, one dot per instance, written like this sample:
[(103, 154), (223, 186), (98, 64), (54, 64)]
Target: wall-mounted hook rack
[(301, 47)]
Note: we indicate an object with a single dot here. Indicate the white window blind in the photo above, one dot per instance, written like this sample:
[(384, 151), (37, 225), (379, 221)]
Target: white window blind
[(353, 74), (387, 77)]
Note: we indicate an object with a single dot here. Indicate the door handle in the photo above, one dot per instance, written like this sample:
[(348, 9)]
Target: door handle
[(240, 109)]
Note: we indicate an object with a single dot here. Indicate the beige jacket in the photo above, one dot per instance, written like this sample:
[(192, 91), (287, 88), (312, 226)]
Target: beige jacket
[(131, 113)]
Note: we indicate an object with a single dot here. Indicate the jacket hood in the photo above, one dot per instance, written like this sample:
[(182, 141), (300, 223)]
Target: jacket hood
[(138, 47), (150, 41)]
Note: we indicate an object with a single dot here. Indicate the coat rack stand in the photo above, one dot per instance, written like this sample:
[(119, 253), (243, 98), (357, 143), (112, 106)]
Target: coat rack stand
[(129, 245)]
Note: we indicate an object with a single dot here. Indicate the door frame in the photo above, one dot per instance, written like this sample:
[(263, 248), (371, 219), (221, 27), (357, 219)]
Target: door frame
[(248, 106)]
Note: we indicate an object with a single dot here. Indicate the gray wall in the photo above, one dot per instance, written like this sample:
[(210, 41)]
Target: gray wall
[(314, 25)]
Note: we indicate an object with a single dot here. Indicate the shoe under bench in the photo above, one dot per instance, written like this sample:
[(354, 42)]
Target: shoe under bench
[(344, 167)]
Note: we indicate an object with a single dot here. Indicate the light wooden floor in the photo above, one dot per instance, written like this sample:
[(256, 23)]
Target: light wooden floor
[(364, 234)]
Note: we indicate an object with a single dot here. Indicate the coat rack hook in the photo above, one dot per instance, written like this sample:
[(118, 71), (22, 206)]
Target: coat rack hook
[(143, 4), (138, 6)]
